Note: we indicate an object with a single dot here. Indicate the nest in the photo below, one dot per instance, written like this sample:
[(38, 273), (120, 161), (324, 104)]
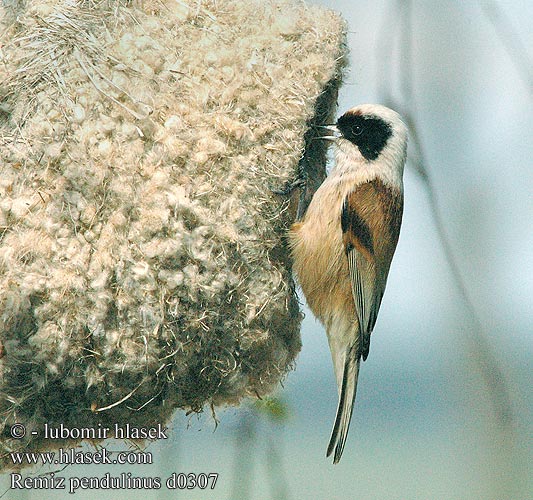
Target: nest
[(143, 265)]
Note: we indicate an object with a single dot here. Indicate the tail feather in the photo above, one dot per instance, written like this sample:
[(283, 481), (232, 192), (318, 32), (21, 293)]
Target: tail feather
[(345, 407)]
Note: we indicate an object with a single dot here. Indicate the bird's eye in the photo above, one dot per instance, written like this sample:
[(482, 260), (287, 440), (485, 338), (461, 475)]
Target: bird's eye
[(357, 130)]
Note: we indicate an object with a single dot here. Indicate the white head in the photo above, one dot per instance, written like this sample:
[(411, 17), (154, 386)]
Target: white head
[(372, 140)]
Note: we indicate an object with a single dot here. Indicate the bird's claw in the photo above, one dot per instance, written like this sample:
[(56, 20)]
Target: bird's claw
[(290, 187)]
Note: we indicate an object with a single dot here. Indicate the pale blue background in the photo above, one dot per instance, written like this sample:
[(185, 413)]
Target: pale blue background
[(422, 428)]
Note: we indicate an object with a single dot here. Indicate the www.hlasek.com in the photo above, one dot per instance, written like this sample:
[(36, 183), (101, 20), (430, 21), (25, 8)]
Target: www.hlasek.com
[(72, 456), (52, 481)]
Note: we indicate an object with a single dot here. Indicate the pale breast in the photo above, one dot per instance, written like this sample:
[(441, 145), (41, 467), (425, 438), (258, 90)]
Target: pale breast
[(318, 254)]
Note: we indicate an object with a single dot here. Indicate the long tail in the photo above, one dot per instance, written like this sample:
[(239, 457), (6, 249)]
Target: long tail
[(345, 408)]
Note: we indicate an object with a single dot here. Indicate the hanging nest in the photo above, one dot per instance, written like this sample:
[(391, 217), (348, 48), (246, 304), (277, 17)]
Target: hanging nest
[(143, 265)]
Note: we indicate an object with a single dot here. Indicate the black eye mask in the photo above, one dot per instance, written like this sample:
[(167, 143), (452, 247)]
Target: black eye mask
[(369, 133)]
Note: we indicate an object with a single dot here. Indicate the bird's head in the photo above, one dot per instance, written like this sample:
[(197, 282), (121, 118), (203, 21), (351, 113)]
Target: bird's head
[(371, 133), (373, 129)]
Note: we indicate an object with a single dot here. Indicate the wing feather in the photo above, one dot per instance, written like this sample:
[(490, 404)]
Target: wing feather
[(364, 284), (363, 276), (370, 221)]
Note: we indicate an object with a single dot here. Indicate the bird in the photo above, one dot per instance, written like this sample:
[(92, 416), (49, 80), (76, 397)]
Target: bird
[(343, 246)]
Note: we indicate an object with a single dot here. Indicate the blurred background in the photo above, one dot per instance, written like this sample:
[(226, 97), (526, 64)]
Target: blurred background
[(444, 401)]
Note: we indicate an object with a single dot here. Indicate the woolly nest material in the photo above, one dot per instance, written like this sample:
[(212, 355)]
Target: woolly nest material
[(143, 265)]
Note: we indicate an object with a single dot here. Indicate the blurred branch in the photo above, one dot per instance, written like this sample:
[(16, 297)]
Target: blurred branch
[(279, 486), (478, 342), (510, 40), (277, 412), (385, 47), (245, 437), (170, 454)]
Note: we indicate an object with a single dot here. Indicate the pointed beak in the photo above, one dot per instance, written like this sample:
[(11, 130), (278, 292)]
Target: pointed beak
[(330, 132)]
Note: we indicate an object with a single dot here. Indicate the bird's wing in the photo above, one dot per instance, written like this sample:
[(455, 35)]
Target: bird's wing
[(370, 222), (363, 279), (366, 289)]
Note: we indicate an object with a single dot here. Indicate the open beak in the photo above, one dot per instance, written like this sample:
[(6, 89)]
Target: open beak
[(331, 132)]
